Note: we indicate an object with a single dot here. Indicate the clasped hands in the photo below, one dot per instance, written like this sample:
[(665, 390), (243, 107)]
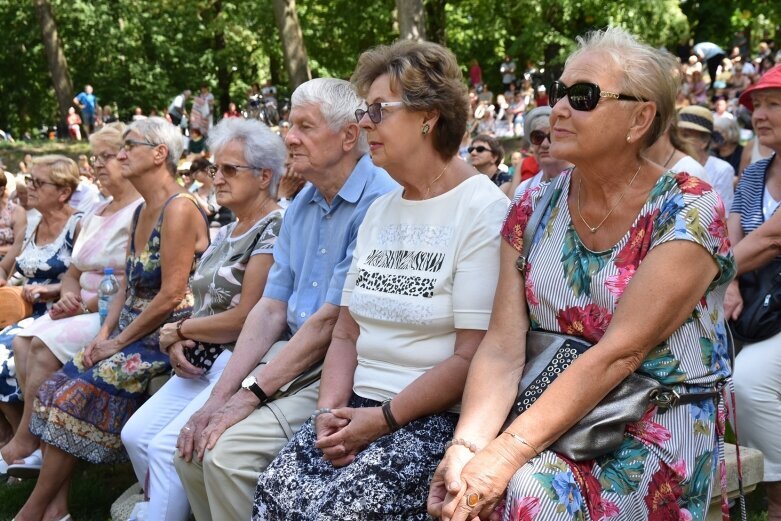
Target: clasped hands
[(344, 432), (70, 304)]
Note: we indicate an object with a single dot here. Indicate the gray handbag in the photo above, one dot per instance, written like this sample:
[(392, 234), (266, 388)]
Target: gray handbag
[(548, 354)]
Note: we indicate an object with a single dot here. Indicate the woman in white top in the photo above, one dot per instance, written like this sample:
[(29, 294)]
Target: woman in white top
[(416, 303)]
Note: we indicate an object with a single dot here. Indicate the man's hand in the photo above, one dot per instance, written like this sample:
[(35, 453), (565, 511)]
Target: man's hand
[(238, 407)]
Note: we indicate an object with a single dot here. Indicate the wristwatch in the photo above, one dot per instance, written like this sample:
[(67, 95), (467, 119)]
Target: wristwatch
[(250, 383)]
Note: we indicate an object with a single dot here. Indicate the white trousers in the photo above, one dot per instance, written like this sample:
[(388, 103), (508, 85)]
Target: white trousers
[(757, 377), (150, 439)]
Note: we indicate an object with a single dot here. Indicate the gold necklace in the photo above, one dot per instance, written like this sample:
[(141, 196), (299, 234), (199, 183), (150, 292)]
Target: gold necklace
[(593, 229), (428, 190)]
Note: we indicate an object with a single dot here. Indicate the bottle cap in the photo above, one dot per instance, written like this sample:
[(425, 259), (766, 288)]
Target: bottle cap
[(108, 271)]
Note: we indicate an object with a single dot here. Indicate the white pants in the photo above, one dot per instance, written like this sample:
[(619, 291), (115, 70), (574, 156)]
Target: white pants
[(757, 377), (150, 439)]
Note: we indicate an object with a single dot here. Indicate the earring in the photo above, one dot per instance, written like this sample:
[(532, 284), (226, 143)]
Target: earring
[(425, 130), (629, 138)]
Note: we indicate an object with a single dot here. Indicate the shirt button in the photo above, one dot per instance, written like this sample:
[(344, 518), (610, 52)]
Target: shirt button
[(302, 315), (314, 284), (328, 216), (322, 250)]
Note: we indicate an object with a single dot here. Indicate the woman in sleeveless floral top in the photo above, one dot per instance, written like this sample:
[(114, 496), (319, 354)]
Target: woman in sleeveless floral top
[(79, 412), (630, 258)]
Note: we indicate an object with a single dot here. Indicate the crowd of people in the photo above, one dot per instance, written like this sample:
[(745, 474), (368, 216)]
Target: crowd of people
[(344, 303)]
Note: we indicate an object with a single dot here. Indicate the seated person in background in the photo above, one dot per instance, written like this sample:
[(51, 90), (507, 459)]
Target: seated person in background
[(486, 154), (13, 221), (228, 282), (416, 304), (205, 192), (696, 126), (237, 433), (538, 132), (726, 142), (197, 143), (45, 256), (53, 339), (80, 411)]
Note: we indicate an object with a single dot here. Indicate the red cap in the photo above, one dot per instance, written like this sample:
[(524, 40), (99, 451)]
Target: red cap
[(770, 80)]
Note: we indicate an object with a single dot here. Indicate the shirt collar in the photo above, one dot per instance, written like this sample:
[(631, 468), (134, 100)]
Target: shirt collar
[(352, 189)]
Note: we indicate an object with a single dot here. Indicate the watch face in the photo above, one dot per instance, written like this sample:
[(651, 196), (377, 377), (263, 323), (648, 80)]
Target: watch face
[(248, 381)]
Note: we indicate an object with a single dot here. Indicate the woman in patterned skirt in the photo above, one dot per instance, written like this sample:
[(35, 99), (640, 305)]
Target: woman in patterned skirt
[(415, 305), (53, 339), (630, 258), (80, 411), (226, 285)]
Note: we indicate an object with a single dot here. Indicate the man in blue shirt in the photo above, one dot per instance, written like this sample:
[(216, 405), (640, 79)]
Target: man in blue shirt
[(239, 430), (87, 102)]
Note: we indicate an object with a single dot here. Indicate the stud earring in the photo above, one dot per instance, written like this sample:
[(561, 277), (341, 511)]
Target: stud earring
[(425, 130), (628, 138)]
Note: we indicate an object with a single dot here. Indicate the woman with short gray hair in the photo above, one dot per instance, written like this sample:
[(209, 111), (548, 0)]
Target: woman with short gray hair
[(229, 280)]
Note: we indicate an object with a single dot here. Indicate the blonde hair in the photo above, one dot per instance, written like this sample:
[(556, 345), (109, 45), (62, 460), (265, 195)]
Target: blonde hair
[(427, 77), (63, 170), (109, 136), (647, 72)]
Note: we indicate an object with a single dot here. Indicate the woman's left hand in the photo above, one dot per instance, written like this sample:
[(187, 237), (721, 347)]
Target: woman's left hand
[(182, 367), (98, 350), (35, 292), (168, 336), (366, 424), (487, 475)]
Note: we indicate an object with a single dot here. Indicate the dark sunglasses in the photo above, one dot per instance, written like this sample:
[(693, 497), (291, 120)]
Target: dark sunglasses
[(227, 170), (538, 136), (583, 96), (101, 158), (479, 149), (36, 184), (375, 111)]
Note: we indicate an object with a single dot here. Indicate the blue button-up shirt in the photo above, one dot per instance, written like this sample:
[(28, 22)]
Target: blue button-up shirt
[(315, 246)]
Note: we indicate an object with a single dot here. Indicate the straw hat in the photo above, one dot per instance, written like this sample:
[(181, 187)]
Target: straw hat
[(696, 117)]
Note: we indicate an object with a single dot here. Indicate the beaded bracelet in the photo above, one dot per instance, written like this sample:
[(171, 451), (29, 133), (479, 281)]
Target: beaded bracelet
[(464, 443), (522, 441), (318, 412)]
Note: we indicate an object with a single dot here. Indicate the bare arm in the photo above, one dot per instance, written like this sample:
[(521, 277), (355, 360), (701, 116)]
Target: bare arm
[(733, 302), (336, 383), (225, 327), (758, 247)]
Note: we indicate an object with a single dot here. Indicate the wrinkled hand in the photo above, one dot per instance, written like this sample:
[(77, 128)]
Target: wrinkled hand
[(98, 350), (36, 292), (182, 367), (365, 424), (488, 473), (193, 429), (238, 407), (446, 483), (733, 302), (68, 306), (168, 336), (290, 184)]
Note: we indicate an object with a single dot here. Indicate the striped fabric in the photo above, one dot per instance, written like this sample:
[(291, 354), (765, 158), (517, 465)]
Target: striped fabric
[(663, 469), (749, 193)]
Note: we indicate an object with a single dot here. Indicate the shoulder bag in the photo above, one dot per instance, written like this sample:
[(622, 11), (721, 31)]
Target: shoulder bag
[(548, 354)]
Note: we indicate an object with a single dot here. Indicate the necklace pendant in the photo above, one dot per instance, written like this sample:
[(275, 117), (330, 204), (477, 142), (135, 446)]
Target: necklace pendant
[(593, 230)]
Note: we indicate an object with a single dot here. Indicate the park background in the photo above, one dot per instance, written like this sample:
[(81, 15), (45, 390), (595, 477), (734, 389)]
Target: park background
[(141, 53)]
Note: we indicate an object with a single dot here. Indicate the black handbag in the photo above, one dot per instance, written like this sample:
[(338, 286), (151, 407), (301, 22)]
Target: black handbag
[(548, 354), (761, 293)]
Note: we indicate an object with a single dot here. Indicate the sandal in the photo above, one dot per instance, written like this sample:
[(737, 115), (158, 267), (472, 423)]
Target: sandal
[(29, 468)]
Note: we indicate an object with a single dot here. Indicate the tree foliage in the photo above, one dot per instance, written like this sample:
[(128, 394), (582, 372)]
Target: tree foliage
[(143, 52)]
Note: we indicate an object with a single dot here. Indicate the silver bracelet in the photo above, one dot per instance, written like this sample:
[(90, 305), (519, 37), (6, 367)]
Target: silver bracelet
[(318, 412), (464, 443), (522, 441)]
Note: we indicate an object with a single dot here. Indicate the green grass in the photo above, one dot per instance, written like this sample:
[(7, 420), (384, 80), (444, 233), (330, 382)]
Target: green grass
[(95, 487), (12, 153)]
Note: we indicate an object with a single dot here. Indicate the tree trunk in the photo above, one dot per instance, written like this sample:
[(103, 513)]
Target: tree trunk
[(58, 65), (293, 48), (411, 19), (435, 21)]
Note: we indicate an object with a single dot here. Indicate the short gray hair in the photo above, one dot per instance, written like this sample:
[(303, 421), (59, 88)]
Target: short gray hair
[(262, 147), (159, 131), (649, 74), (728, 128), (337, 100)]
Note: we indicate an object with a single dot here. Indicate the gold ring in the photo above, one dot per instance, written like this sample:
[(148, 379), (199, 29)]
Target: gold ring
[(472, 499)]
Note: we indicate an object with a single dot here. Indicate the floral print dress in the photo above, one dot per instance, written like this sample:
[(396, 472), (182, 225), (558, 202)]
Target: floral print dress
[(663, 469), (82, 411)]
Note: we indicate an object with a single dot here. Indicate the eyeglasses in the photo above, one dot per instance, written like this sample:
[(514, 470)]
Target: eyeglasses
[(479, 149), (583, 96), (227, 170), (36, 184), (375, 111), (130, 144), (102, 158), (538, 136)]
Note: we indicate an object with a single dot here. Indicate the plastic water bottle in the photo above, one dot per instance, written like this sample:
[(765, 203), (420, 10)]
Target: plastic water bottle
[(109, 287)]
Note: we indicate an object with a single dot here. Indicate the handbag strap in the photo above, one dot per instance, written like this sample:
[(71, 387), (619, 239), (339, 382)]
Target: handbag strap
[(534, 223)]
